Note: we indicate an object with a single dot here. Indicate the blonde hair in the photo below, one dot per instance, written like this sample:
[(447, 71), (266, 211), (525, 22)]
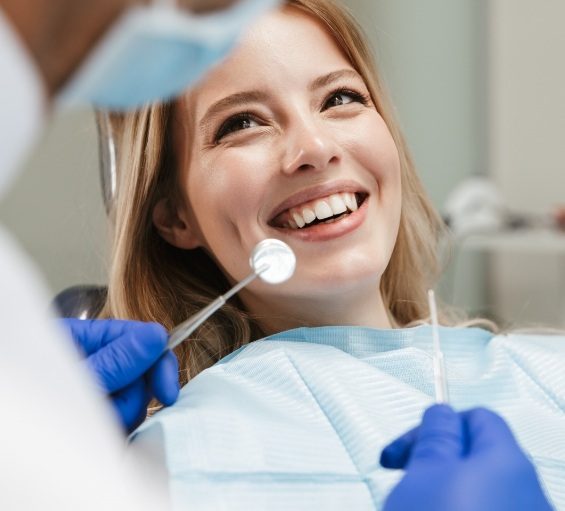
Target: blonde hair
[(151, 280)]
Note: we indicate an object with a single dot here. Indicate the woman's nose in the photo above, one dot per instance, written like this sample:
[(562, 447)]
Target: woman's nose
[(309, 147)]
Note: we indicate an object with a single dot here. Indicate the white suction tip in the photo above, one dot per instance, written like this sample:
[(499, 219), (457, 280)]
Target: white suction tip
[(273, 260)]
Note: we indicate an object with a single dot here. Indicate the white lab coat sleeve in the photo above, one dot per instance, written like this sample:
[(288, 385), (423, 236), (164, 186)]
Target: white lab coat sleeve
[(60, 445)]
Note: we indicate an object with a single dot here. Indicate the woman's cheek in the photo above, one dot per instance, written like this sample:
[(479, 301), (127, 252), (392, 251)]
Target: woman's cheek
[(383, 160), (229, 185)]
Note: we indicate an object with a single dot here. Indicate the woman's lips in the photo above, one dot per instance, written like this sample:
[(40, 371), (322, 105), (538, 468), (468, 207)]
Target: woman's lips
[(330, 228), (313, 194), (318, 210)]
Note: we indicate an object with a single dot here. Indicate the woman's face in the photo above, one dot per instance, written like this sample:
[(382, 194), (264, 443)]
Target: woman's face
[(284, 142)]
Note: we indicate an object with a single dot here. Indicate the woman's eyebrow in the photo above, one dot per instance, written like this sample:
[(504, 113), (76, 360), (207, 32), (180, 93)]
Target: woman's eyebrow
[(237, 99), (334, 76)]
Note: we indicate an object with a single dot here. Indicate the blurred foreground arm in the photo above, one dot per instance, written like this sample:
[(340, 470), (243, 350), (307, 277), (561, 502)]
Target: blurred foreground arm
[(59, 33), (465, 461)]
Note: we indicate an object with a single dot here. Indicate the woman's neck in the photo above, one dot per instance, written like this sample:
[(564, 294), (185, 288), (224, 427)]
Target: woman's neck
[(363, 307)]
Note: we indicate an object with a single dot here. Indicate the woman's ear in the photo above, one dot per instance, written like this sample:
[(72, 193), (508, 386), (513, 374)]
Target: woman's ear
[(173, 226)]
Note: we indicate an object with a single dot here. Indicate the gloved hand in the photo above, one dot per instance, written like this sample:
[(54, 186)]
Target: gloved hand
[(465, 461), (126, 358)]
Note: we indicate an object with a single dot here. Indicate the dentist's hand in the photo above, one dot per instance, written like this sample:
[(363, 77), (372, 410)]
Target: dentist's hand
[(126, 358), (465, 461)]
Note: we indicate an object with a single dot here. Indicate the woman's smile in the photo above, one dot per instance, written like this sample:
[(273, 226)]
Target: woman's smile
[(330, 228), (322, 213)]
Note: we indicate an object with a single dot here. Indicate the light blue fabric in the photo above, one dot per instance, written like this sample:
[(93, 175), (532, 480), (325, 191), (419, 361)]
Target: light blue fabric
[(297, 421)]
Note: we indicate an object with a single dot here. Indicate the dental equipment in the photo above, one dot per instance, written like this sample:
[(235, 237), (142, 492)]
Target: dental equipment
[(440, 379), (476, 206), (272, 260)]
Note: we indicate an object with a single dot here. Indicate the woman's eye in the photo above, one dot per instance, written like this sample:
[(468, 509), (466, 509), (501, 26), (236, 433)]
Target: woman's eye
[(340, 98), (236, 123)]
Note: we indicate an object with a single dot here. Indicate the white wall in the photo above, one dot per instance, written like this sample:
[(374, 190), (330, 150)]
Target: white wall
[(527, 125), (527, 82)]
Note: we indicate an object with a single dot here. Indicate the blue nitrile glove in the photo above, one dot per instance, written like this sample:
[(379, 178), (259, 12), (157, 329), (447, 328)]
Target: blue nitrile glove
[(465, 461), (126, 358)]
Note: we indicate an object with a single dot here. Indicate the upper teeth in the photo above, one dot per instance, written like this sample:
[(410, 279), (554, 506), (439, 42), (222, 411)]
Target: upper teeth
[(321, 209)]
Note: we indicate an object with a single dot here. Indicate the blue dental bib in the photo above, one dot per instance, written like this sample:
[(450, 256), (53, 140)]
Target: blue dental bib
[(297, 421)]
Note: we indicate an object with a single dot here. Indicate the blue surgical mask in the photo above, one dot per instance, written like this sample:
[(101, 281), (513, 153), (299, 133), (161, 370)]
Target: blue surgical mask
[(155, 52)]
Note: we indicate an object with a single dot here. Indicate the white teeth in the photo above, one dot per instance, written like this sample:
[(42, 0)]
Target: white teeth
[(337, 204), (350, 201), (298, 220), (308, 215), (323, 210)]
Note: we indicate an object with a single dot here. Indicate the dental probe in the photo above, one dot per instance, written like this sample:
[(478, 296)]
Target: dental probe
[(440, 379), (272, 260)]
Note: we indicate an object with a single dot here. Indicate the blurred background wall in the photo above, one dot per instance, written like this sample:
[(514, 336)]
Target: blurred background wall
[(55, 208), (526, 80), (479, 89)]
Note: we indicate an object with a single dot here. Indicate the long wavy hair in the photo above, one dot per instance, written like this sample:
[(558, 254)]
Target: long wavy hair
[(151, 280)]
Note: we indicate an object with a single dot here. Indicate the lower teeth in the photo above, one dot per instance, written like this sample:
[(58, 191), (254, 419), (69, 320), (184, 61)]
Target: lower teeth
[(328, 221), (334, 219)]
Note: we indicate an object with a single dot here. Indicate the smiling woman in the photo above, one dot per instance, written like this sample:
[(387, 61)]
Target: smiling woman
[(289, 130), (292, 138), (296, 143)]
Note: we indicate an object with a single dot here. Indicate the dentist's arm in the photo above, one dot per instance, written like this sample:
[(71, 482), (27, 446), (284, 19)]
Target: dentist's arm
[(126, 358), (60, 33), (462, 462)]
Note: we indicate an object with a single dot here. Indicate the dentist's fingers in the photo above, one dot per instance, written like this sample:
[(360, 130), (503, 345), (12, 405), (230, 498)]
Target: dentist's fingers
[(131, 404), (396, 454), (488, 432), (440, 438), (124, 359), (163, 379)]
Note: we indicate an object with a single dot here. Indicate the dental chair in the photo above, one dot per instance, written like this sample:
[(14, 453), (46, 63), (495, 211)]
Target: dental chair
[(86, 301)]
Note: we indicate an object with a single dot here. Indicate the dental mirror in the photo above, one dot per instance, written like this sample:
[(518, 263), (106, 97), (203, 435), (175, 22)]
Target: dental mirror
[(272, 260)]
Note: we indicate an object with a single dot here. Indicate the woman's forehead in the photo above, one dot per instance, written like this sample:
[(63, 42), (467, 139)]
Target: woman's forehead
[(283, 49)]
